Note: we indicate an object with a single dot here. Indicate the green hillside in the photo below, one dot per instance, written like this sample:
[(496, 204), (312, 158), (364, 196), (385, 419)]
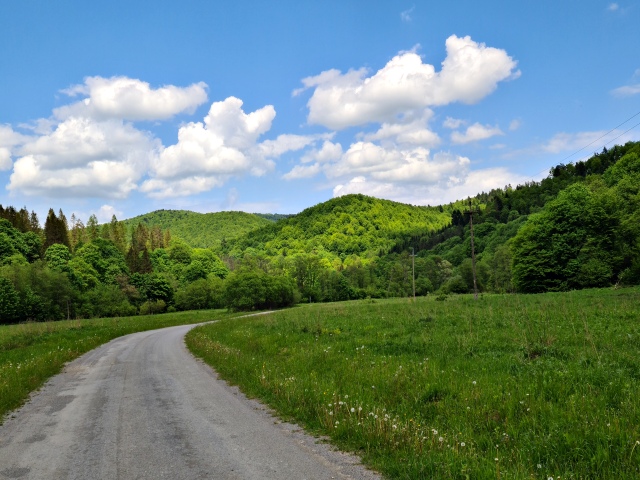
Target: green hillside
[(575, 229), (201, 230), (350, 225), (578, 228)]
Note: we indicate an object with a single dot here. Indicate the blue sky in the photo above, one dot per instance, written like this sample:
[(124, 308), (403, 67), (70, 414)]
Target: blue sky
[(128, 107)]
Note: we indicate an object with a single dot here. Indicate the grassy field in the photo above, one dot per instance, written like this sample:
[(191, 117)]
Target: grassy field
[(30, 353), (518, 386)]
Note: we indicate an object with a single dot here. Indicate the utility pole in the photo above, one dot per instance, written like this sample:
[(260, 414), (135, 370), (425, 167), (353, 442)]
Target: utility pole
[(473, 252), (413, 272)]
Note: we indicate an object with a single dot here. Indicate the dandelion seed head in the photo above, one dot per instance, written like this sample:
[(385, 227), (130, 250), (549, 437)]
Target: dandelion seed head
[(462, 444)]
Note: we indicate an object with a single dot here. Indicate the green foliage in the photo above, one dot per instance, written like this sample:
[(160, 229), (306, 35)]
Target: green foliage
[(13, 242), (9, 302), (200, 294), (153, 307), (57, 257), (255, 290), (570, 244), (105, 258), (201, 230), (352, 224), (106, 301), (56, 229), (575, 229)]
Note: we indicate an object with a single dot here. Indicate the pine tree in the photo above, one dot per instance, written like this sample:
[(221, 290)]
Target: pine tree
[(117, 234), (92, 228), (55, 230)]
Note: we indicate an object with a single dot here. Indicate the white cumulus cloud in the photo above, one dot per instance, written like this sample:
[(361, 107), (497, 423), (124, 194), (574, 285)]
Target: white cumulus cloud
[(225, 145), (328, 152), (452, 189), (302, 171), (626, 90), (561, 142), (409, 131), (453, 123), (106, 212), (131, 99), (209, 153), (476, 132), (9, 139), (84, 158), (470, 72)]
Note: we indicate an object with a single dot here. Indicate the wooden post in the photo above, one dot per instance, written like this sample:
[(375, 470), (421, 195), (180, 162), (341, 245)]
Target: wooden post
[(473, 253), (413, 272)]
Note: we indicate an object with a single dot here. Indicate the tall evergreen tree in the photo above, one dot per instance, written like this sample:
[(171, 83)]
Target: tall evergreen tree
[(117, 234), (55, 229), (92, 228)]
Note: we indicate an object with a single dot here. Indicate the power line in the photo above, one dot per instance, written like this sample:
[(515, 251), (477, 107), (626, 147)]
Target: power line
[(594, 141), (602, 136)]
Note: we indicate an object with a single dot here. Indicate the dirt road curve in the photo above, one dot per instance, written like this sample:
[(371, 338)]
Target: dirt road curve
[(141, 407)]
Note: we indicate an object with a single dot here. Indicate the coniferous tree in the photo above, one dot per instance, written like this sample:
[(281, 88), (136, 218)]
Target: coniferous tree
[(34, 223), (55, 229), (117, 234), (92, 228)]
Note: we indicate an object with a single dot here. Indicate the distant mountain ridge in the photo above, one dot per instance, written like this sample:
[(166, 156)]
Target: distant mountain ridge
[(203, 230)]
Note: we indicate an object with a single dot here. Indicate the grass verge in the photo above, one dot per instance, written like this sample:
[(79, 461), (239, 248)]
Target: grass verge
[(518, 386), (30, 353)]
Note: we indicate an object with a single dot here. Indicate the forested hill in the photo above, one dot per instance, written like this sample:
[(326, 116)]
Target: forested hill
[(350, 225), (202, 230)]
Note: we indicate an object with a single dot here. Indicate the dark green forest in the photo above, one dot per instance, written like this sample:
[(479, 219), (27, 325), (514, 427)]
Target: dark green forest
[(575, 229)]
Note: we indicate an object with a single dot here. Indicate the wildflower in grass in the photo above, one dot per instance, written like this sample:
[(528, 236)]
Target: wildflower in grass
[(474, 382), (441, 439), (462, 444), (353, 410)]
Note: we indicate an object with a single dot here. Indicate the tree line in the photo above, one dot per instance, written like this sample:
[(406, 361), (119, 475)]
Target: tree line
[(577, 228)]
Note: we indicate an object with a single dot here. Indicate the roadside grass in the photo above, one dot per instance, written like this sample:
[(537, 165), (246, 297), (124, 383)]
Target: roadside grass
[(30, 353), (514, 386)]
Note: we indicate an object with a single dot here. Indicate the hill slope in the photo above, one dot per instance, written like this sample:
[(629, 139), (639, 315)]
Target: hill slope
[(201, 230), (348, 225)]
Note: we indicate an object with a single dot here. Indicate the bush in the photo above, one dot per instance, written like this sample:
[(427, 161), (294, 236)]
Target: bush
[(251, 290), (455, 285), (203, 293), (152, 307)]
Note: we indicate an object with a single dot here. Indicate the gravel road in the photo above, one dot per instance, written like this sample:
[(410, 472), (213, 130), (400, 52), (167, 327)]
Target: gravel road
[(141, 407)]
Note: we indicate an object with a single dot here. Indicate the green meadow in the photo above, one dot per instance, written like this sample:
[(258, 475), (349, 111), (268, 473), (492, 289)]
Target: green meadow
[(30, 353), (505, 387)]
